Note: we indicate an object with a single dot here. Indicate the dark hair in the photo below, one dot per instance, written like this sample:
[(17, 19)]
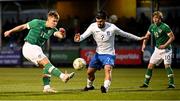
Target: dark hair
[(101, 15), (54, 14)]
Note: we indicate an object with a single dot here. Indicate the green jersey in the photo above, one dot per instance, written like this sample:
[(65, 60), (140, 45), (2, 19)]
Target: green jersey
[(38, 32), (160, 33)]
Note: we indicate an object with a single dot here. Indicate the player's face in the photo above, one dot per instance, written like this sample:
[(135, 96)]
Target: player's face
[(156, 19), (52, 22), (100, 23)]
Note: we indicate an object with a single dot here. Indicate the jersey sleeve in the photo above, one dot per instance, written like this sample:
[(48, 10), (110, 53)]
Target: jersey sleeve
[(87, 33), (32, 23), (167, 29), (122, 33)]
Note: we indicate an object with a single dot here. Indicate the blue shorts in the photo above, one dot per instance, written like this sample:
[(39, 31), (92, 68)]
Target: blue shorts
[(99, 60)]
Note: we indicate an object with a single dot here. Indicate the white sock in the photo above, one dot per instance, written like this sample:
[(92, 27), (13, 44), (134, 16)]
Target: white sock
[(107, 84), (47, 87), (89, 83), (62, 75)]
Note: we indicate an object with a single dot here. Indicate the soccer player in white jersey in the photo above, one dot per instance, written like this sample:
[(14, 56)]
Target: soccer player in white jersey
[(39, 32), (104, 34)]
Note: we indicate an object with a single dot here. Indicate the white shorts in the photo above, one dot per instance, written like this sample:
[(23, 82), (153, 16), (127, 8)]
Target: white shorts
[(160, 55), (33, 53)]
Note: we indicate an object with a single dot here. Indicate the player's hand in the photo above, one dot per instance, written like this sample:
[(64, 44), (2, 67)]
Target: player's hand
[(143, 38), (62, 32), (162, 47), (7, 33), (77, 37)]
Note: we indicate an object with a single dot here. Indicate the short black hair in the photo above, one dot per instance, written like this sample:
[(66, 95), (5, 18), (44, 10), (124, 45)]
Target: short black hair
[(101, 15)]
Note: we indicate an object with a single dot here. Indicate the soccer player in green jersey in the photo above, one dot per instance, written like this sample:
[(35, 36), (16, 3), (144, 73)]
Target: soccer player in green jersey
[(163, 49), (39, 32)]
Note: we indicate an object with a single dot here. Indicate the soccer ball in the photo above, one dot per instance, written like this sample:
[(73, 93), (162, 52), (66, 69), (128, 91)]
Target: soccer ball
[(79, 63)]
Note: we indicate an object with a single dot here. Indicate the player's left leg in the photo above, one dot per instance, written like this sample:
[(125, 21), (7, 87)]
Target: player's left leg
[(167, 63), (46, 81), (108, 62), (107, 80), (170, 75)]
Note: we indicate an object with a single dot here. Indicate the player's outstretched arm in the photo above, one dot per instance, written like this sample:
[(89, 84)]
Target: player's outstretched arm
[(143, 38), (77, 37), (145, 41), (15, 29)]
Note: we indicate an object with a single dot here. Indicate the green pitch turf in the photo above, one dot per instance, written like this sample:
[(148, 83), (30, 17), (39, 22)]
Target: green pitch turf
[(26, 84)]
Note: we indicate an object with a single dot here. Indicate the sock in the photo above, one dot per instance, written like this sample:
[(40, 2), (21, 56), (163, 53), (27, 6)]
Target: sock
[(52, 70), (47, 87), (107, 84), (62, 75), (148, 76), (46, 80), (89, 83), (170, 75)]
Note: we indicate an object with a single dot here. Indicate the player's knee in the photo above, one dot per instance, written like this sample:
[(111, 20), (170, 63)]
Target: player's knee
[(108, 68), (40, 66), (167, 65), (46, 75), (90, 73), (150, 66)]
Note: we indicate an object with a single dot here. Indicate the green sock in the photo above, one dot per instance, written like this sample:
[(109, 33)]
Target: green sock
[(52, 70), (148, 76), (46, 77), (46, 80), (170, 75)]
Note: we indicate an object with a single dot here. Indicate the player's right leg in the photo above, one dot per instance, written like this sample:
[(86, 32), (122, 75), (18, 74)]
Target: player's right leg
[(90, 79), (35, 54), (93, 66), (155, 59), (48, 67), (148, 76)]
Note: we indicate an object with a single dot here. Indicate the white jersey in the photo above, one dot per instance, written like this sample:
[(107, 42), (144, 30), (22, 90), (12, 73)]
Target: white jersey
[(104, 37)]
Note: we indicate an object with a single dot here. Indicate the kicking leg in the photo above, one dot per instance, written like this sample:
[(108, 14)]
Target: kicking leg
[(50, 69)]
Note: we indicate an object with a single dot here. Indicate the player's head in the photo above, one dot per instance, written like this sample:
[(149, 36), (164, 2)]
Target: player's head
[(157, 17), (52, 19), (101, 18)]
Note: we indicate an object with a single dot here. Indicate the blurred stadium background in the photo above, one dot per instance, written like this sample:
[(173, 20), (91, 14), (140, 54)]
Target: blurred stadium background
[(75, 16)]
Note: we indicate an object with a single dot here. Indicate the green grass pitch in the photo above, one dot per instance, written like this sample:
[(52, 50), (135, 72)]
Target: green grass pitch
[(26, 84)]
